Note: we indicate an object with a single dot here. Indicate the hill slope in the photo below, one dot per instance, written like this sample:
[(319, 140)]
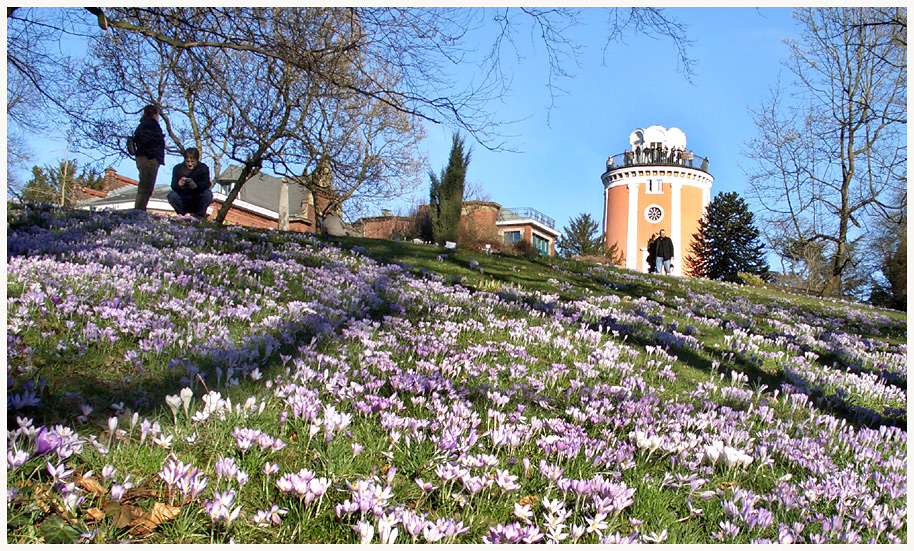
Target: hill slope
[(402, 393)]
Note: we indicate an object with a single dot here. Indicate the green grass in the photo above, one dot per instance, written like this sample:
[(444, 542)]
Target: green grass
[(545, 321)]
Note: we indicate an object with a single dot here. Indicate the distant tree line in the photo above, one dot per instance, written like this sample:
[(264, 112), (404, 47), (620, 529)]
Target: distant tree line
[(56, 184)]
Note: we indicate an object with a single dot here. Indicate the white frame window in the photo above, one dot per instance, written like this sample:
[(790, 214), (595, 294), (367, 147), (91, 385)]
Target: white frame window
[(509, 236), (541, 244), (654, 214), (654, 185)]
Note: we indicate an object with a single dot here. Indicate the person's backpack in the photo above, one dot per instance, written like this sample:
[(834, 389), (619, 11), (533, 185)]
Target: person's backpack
[(131, 146)]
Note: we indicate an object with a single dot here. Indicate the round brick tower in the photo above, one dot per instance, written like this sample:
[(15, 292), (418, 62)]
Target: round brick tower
[(656, 184)]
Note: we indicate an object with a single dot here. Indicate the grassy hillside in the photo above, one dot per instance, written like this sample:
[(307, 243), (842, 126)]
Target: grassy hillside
[(174, 382)]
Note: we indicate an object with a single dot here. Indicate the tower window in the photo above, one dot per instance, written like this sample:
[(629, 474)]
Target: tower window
[(654, 185), (653, 214)]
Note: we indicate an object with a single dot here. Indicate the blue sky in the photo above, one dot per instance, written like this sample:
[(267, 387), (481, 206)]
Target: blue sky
[(738, 53), (561, 155)]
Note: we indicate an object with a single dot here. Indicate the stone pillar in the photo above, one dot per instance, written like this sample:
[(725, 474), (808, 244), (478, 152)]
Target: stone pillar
[(631, 241), (284, 205), (676, 227), (705, 198)]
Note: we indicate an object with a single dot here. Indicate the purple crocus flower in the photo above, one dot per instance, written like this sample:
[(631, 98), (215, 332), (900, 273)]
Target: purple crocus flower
[(14, 460), (117, 492), (45, 442), (220, 509)]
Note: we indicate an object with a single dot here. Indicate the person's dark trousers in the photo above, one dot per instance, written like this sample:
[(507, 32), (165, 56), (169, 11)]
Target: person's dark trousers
[(195, 205), (148, 169)]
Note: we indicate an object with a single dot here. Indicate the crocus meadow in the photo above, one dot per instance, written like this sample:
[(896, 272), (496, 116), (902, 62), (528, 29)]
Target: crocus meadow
[(173, 382)]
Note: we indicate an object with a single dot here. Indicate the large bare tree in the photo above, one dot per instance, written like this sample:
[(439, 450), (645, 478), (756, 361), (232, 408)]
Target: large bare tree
[(256, 111), (833, 154), (396, 64)]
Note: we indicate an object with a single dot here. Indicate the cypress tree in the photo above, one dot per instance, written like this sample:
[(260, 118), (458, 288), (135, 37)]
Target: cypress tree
[(727, 242), (446, 194)]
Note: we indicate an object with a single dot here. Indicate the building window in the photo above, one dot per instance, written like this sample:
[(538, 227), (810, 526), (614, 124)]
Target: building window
[(654, 185), (541, 244), (512, 237), (225, 188), (653, 214)]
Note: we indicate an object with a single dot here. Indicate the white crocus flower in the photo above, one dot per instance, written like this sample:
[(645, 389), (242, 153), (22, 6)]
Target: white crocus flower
[(174, 403), (186, 396)]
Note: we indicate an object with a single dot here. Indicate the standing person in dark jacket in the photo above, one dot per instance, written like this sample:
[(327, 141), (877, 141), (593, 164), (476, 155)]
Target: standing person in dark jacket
[(150, 154), (190, 185), (652, 254), (663, 249)]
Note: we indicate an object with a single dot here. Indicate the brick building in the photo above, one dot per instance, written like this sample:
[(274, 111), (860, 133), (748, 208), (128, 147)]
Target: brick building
[(112, 181), (480, 222), (258, 204)]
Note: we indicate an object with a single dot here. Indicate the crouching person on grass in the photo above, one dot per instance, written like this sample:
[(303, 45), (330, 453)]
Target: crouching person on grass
[(190, 186)]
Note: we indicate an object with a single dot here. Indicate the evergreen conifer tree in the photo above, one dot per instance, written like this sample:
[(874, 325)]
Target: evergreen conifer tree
[(446, 194), (727, 242), (579, 238), (45, 184)]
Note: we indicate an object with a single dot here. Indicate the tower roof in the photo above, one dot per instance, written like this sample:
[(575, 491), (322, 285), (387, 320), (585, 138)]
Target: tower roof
[(672, 137)]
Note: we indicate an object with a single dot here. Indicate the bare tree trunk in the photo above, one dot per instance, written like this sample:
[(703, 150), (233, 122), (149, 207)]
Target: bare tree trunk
[(247, 172), (834, 158)]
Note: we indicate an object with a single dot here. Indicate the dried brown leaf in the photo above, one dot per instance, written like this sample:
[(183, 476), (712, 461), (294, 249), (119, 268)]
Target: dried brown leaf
[(92, 485), (122, 514), (146, 524), (95, 514)]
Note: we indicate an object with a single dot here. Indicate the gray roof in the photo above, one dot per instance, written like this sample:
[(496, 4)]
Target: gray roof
[(127, 194), (263, 190)]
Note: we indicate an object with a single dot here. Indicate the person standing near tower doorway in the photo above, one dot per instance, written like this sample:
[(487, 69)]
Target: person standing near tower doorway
[(663, 249)]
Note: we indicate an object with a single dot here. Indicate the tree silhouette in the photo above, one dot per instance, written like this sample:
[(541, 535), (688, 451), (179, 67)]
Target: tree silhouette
[(580, 238), (446, 194), (727, 242)]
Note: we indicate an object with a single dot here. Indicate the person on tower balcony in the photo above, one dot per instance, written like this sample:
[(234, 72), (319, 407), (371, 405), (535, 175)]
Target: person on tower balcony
[(663, 249), (689, 156), (704, 164), (638, 154)]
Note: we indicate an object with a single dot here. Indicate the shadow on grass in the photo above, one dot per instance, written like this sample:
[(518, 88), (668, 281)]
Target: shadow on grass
[(497, 268), (145, 392)]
